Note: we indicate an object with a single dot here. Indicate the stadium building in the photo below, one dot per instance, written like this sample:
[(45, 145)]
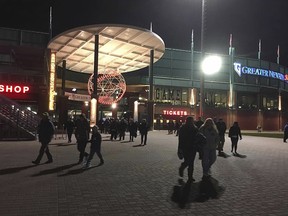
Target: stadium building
[(253, 92)]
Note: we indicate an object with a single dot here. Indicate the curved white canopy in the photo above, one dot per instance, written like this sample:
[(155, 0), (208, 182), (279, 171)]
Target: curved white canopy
[(122, 48)]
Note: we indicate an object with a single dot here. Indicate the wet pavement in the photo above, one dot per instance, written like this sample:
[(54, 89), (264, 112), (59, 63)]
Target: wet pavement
[(136, 180)]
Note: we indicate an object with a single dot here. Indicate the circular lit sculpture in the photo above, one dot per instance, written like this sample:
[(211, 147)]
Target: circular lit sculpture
[(111, 86)]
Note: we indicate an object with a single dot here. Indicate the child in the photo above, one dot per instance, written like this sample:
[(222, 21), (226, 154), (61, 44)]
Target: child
[(95, 147)]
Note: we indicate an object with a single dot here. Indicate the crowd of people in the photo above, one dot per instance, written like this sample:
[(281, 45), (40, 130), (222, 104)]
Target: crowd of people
[(202, 137), (80, 126)]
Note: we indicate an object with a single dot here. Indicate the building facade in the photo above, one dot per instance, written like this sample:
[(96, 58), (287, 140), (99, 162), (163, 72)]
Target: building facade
[(251, 91)]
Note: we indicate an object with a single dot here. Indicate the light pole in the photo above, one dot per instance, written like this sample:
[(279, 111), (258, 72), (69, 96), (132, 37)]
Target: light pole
[(201, 112), (209, 66)]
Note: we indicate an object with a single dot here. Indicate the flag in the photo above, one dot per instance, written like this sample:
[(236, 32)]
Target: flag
[(278, 54), (50, 22), (259, 49), (192, 39), (230, 45)]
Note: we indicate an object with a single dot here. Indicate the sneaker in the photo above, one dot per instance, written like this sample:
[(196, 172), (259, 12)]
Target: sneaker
[(190, 180), (87, 166), (36, 162)]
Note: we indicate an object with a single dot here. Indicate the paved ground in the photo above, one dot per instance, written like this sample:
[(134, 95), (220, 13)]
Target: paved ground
[(140, 181)]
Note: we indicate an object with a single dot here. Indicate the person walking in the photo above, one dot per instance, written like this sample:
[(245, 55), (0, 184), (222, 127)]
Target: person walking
[(285, 137), (143, 129), (82, 132), (221, 127), (132, 128), (122, 129), (187, 148), (95, 147), (209, 130), (45, 131), (69, 127), (234, 134)]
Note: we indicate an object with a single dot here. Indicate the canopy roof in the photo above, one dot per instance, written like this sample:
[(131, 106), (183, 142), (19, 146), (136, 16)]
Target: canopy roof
[(122, 48)]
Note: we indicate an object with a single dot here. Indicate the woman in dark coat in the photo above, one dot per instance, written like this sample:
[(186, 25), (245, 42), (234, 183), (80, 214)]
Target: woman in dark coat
[(235, 134)]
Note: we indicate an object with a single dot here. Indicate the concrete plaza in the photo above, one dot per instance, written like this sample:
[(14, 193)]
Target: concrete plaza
[(140, 181)]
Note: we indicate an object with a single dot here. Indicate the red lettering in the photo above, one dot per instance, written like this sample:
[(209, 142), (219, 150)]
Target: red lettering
[(172, 112)]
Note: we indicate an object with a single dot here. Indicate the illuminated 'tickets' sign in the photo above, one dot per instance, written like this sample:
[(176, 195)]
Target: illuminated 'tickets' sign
[(239, 69), (14, 89), (175, 112)]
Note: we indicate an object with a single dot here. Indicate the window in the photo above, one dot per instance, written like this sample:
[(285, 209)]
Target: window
[(246, 101), (270, 103), (216, 99)]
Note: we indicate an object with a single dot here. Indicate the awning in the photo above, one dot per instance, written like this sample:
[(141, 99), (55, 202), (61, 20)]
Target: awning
[(122, 48)]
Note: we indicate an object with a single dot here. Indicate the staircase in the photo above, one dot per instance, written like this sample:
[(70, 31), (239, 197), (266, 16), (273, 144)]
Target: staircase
[(16, 122)]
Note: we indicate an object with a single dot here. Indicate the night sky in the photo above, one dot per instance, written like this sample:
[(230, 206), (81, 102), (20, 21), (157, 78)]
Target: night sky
[(173, 21)]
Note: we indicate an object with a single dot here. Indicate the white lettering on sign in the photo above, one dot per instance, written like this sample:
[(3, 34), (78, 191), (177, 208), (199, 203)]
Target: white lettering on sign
[(14, 89), (175, 112)]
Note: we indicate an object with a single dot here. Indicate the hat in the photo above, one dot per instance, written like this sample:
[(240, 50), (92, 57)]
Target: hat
[(45, 114)]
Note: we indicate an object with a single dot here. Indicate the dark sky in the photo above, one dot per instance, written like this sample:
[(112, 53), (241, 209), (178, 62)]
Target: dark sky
[(173, 21)]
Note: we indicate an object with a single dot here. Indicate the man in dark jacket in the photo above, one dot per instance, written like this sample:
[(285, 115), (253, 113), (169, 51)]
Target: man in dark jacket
[(82, 131), (285, 132), (69, 126), (95, 147), (45, 130), (187, 147), (143, 128)]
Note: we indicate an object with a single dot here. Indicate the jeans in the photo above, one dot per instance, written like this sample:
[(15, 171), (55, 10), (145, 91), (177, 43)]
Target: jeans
[(44, 149), (189, 158), (81, 145), (93, 150), (144, 138), (208, 159)]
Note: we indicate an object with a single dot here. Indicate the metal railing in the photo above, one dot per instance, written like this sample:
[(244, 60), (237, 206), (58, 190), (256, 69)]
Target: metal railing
[(21, 120)]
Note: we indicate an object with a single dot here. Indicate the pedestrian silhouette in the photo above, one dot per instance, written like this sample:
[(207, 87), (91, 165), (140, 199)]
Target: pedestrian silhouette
[(235, 135), (187, 147), (82, 131), (95, 147), (45, 131)]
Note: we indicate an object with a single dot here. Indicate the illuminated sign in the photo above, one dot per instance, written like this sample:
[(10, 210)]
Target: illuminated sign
[(175, 112), (14, 89), (77, 97), (239, 69), (52, 81)]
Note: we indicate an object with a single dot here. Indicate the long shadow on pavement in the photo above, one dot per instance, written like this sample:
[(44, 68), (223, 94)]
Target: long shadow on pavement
[(78, 171), (239, 155), (185, 193), (62, 144), (224, 155), (54, 170), (14, 169)]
